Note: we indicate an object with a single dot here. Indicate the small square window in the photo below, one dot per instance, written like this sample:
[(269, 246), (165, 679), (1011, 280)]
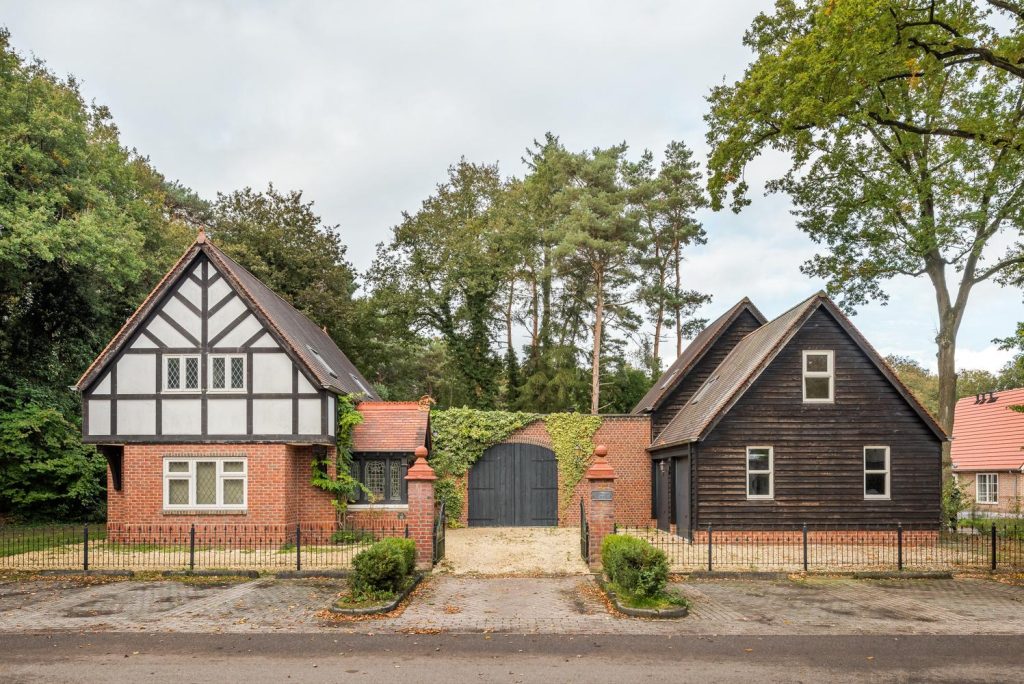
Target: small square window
[(181, 373), (760, 472), (876, 472), (818, 376), (227, 373)]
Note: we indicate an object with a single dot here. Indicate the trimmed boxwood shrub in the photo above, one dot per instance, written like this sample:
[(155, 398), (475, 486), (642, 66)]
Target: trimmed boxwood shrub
[(634, 565), (383, 568)]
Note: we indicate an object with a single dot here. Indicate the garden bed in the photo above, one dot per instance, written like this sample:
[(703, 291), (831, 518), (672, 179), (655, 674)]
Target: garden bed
[(666, 606), (347, 604)]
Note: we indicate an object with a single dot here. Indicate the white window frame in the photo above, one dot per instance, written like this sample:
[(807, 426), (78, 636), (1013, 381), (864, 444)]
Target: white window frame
[(770, 472), (191, 477), (830, 374), (181, 373), (887, 472), (227, 373), (991, 487)]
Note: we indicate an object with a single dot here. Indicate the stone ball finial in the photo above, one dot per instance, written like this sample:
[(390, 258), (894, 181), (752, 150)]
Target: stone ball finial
[(421, 452), (601, 451)]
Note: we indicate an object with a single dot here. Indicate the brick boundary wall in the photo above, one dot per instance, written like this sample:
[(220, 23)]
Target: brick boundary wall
[(627, 439), (859, 537)]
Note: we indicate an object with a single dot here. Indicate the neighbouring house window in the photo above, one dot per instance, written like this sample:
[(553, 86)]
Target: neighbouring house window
[(760, 472), (383, 475), (205, 483), (819, 376), (181, 373), (227, 373), (987, 486), (876, 472)]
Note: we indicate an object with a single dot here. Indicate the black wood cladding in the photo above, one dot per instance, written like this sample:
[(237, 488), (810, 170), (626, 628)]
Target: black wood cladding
[(819, 447), (744, 324)]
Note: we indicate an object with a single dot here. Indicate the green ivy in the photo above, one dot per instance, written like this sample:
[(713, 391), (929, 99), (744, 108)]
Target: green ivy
[(460, 438), (341, 486), (572, 437)]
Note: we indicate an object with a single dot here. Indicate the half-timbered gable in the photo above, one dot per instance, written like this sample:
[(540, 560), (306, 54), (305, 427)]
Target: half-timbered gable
[(213, 355)]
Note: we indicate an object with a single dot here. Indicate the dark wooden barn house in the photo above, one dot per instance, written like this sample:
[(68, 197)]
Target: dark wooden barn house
[(797, 420)]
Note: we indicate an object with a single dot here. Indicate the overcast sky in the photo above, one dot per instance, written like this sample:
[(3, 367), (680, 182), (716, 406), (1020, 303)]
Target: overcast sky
[(364, 105)]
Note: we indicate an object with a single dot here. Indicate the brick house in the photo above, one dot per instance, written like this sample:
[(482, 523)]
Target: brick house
[(213, 399), (988, 451), (790, 421)]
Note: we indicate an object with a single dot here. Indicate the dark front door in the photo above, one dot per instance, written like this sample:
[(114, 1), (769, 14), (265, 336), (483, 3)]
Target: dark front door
[(514, 485), (664, 490), (681, 492)]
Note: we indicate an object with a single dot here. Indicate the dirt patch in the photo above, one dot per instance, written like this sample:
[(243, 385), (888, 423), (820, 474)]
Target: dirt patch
[(513, 551)]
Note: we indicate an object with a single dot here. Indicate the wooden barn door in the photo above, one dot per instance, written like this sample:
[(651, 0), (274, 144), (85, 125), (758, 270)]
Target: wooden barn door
[(514, 485), (664, 490)]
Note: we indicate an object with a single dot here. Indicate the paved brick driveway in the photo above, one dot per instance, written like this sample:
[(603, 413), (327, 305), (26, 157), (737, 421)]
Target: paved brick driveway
[(513, 550), (568, 605)]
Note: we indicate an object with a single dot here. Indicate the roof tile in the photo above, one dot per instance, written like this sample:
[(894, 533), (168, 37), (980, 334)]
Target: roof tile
[(988, 435)]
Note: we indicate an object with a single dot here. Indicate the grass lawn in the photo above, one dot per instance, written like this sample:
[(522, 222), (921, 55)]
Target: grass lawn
[(1009, 528), (15, 539)]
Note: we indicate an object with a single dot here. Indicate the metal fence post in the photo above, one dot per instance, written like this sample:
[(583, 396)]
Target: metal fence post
[(899, 546), (805, 547), (709, 547), (993, 547), (407, 530), (192, 547), (298, 547), (85, 547)]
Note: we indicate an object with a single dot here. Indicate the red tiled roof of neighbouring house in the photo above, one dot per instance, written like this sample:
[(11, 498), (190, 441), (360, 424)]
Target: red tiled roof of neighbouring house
[(390, 426), (987, 434)]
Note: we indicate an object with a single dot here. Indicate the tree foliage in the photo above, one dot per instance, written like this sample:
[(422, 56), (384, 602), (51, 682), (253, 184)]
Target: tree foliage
[(905, 160)]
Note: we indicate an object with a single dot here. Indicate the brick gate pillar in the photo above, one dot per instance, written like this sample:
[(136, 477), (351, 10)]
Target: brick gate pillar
[(421, 509), (601, 508)]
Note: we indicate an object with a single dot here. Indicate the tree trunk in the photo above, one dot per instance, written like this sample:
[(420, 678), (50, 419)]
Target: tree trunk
[(595, 379), (535, 305), (656, 362), (508, 316), (545, 300), (679, 314)]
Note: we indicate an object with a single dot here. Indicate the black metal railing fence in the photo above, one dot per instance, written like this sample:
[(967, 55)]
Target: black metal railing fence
[(198, 546), (838, 547)]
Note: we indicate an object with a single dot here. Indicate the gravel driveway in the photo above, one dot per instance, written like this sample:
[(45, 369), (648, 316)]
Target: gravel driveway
[(513, 551)]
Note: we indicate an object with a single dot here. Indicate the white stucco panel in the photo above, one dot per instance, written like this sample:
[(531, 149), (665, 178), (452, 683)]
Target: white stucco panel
[(218, 291), (309, 417), (332, 417), (136, 374), (190, 291), (136, 417), (230, 312), (143, 342), (271, 373), (242, 332), (304, 385), (267, 342), (272, 416), (163, 331), (210, 270), (99, 417), (225, 417), (184, 317), (182, 416), (103, 386)]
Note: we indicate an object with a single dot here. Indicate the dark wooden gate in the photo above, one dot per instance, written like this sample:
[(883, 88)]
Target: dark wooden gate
[(514, 485), (664, 491)]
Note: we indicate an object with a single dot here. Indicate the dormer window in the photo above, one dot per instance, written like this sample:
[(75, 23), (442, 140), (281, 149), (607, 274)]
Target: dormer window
[(181, 373), (819, 376), (704, 389)]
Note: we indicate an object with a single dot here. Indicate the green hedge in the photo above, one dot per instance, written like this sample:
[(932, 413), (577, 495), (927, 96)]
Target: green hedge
[(634, 565), (383, 568)]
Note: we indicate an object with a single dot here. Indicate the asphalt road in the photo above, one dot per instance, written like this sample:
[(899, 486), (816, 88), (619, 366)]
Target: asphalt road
[(459, 659)]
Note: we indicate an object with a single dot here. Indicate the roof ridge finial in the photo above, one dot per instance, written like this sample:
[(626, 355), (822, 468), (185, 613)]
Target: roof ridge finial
[(201, 235)]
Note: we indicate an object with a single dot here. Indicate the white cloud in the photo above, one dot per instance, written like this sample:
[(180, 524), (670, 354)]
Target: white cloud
[(364, 105)]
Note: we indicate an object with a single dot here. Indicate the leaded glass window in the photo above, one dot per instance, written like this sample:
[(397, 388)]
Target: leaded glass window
[(383, 475), (181, 373), (205, 483), (227, 373)]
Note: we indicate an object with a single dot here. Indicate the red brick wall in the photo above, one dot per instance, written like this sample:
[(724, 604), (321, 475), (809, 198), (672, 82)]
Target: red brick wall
[(627, 439), (279, 489)]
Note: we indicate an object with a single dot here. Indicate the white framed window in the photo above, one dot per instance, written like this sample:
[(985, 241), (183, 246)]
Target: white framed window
[(876, 472), (227, 373), (181, 373), (819, 376), (760, 472), (986, 487), (205, 483)]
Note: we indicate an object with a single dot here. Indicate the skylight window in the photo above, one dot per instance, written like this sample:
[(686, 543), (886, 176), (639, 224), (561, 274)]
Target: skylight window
[(321, 361), (703, 390), (669, 379), (360, 383)]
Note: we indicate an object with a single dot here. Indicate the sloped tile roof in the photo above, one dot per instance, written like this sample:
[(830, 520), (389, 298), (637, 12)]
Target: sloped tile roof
[(692, 355), (747, 361), (390, 426), (988, 435), (292, 328)]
